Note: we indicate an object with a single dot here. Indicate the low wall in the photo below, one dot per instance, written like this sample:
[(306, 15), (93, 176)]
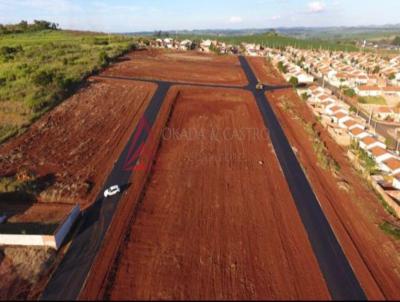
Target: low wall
[(64, 228), (54, 241)]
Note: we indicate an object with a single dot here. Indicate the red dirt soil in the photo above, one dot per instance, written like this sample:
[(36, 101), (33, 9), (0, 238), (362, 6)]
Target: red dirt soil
[(188, 67), (79, 140), (265, 72), (354, 215), (212, 222)]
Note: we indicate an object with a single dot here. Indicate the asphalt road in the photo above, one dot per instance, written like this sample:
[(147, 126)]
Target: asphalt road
[(69, 278), (340, 278)]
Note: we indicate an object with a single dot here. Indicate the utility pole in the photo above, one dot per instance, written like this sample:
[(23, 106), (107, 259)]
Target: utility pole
[(370, 118)]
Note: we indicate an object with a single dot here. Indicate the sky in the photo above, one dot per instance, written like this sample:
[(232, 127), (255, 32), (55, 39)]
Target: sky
[(151, 15)]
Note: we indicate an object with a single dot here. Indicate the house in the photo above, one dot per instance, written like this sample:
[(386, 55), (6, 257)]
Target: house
[(205, 45), (352, 124), (168, 43), (340, 117), (391, 165), (384, 112), (369, 142), (358, 133), (379, 154), (185, 44), (396, 181), (368, 90), (334, 108), (305, 78), (392, 90)]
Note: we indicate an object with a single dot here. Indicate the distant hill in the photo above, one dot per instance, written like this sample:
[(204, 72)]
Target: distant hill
[(323, 33), (269, 39)]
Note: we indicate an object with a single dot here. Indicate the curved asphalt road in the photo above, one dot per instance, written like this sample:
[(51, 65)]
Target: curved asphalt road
[(69, 278), (340, 278)]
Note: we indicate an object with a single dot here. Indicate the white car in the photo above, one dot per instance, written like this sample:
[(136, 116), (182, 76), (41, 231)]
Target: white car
[(111, 191)]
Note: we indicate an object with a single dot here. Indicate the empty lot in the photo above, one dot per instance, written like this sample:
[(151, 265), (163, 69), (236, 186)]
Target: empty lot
[(216, 219), (181, 67)]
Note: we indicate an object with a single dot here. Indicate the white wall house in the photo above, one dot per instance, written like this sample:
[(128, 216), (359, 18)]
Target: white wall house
[(396, 181), (391, 165), (380, 154), (305, 78), (370, 142), (352, 124), (358, 134), (368, 91)]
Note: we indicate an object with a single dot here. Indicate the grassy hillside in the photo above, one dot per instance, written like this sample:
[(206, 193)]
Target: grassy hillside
[(277, 41), (40, 69)]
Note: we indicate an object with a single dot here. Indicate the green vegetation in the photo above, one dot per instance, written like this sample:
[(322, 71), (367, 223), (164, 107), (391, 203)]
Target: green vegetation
[(24, 27), (282, 67), (396, 41), (325, 160), (375, 100), (349, 92), (390, 142), (294, 81), (366, 161), (390, 229), (271, 39), (39, 69), (305, 96), (376, 69)]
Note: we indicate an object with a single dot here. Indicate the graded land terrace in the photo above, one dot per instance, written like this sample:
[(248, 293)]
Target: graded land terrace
[(225, 227)]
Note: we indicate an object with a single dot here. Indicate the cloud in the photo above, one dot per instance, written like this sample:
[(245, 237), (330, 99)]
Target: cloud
[(275, 18), (316, 7), (235, 19)]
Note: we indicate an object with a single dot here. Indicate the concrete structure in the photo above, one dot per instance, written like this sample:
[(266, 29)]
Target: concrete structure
[(54, 240)]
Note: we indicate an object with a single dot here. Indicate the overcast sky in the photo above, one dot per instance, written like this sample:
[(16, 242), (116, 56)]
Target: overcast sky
[(149, 15)]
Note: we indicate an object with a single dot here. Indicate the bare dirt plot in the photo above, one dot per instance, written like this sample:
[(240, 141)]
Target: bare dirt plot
[(351, 207), (265, 72), (216, 218), (188, 67), (78, 141)]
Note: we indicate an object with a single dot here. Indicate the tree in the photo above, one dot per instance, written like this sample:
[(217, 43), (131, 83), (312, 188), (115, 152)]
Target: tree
[(294, 81), (349, 92), (282, 67), (392, 76), (376, 69), (396, 41), (305, 96)]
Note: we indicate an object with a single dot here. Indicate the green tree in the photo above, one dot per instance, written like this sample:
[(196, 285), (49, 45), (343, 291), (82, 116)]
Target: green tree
[(294, 81), (349, 92), (396, 41), (305, 96), (282, 67)]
